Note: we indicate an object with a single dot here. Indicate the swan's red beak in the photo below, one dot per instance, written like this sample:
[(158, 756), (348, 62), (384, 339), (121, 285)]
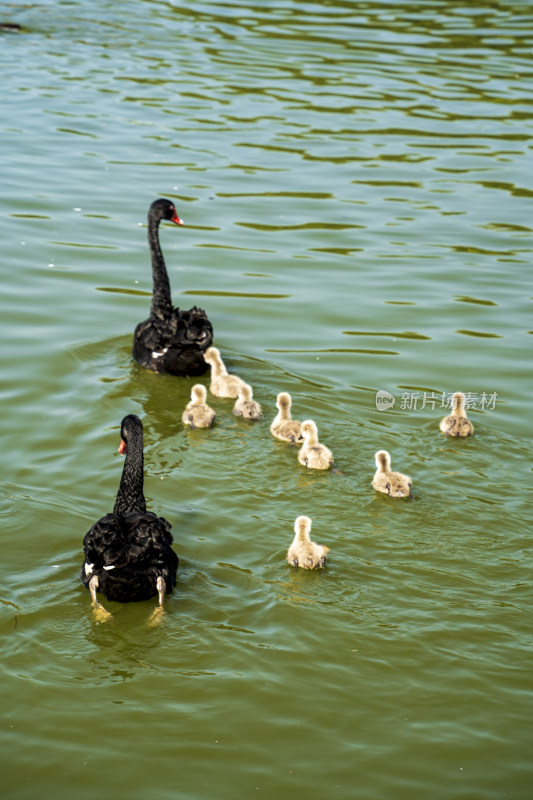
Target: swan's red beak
[(177, 220), (122, 447)]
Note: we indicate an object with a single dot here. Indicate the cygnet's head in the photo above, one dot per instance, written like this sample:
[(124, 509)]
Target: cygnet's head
[(283, 400), (309, 429), (198, 393), (211, 354)]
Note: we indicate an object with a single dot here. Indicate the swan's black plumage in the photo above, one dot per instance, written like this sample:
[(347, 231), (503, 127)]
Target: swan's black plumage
[(130, 549), (170, 340)]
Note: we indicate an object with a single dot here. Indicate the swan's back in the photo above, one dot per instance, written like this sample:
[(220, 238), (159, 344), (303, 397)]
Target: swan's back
[(307, 555), (128, 552), (174, 344), (456, 425), (288, 430)]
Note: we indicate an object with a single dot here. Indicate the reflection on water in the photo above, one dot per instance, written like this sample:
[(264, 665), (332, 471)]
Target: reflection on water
[(347, 169)]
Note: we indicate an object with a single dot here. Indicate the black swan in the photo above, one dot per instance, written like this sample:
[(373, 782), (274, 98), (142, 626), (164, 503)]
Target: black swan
[(128, 554), (170, 340)]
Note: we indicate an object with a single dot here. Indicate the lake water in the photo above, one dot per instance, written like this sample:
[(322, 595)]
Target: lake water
[(356, 182)]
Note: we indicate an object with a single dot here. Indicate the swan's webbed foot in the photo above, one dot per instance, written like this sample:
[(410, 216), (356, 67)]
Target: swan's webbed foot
[(156, 616), (99, 612)]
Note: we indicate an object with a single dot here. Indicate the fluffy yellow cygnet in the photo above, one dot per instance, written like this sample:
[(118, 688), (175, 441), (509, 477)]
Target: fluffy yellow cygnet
[(245, 406), (283, 427), (303, 552), (313, 455), (392, 483), (457, 423), (222, 384), (197, 414)]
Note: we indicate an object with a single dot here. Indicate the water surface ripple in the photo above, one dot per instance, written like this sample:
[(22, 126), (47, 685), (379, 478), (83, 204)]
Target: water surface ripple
[(356, 184)]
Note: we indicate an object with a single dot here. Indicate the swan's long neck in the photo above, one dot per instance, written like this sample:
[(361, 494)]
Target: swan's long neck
[(284, 413), (301, 530), (458, 409), (246, 393), (218, 367), (130, 495), (311, 438), (161, 299)]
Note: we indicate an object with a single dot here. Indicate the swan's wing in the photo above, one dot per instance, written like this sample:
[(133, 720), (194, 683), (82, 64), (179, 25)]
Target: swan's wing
[(149, 540), (190, 327), (105, 544)]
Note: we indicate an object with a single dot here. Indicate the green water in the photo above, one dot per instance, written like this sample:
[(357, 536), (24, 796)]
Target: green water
[(356, 183)]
